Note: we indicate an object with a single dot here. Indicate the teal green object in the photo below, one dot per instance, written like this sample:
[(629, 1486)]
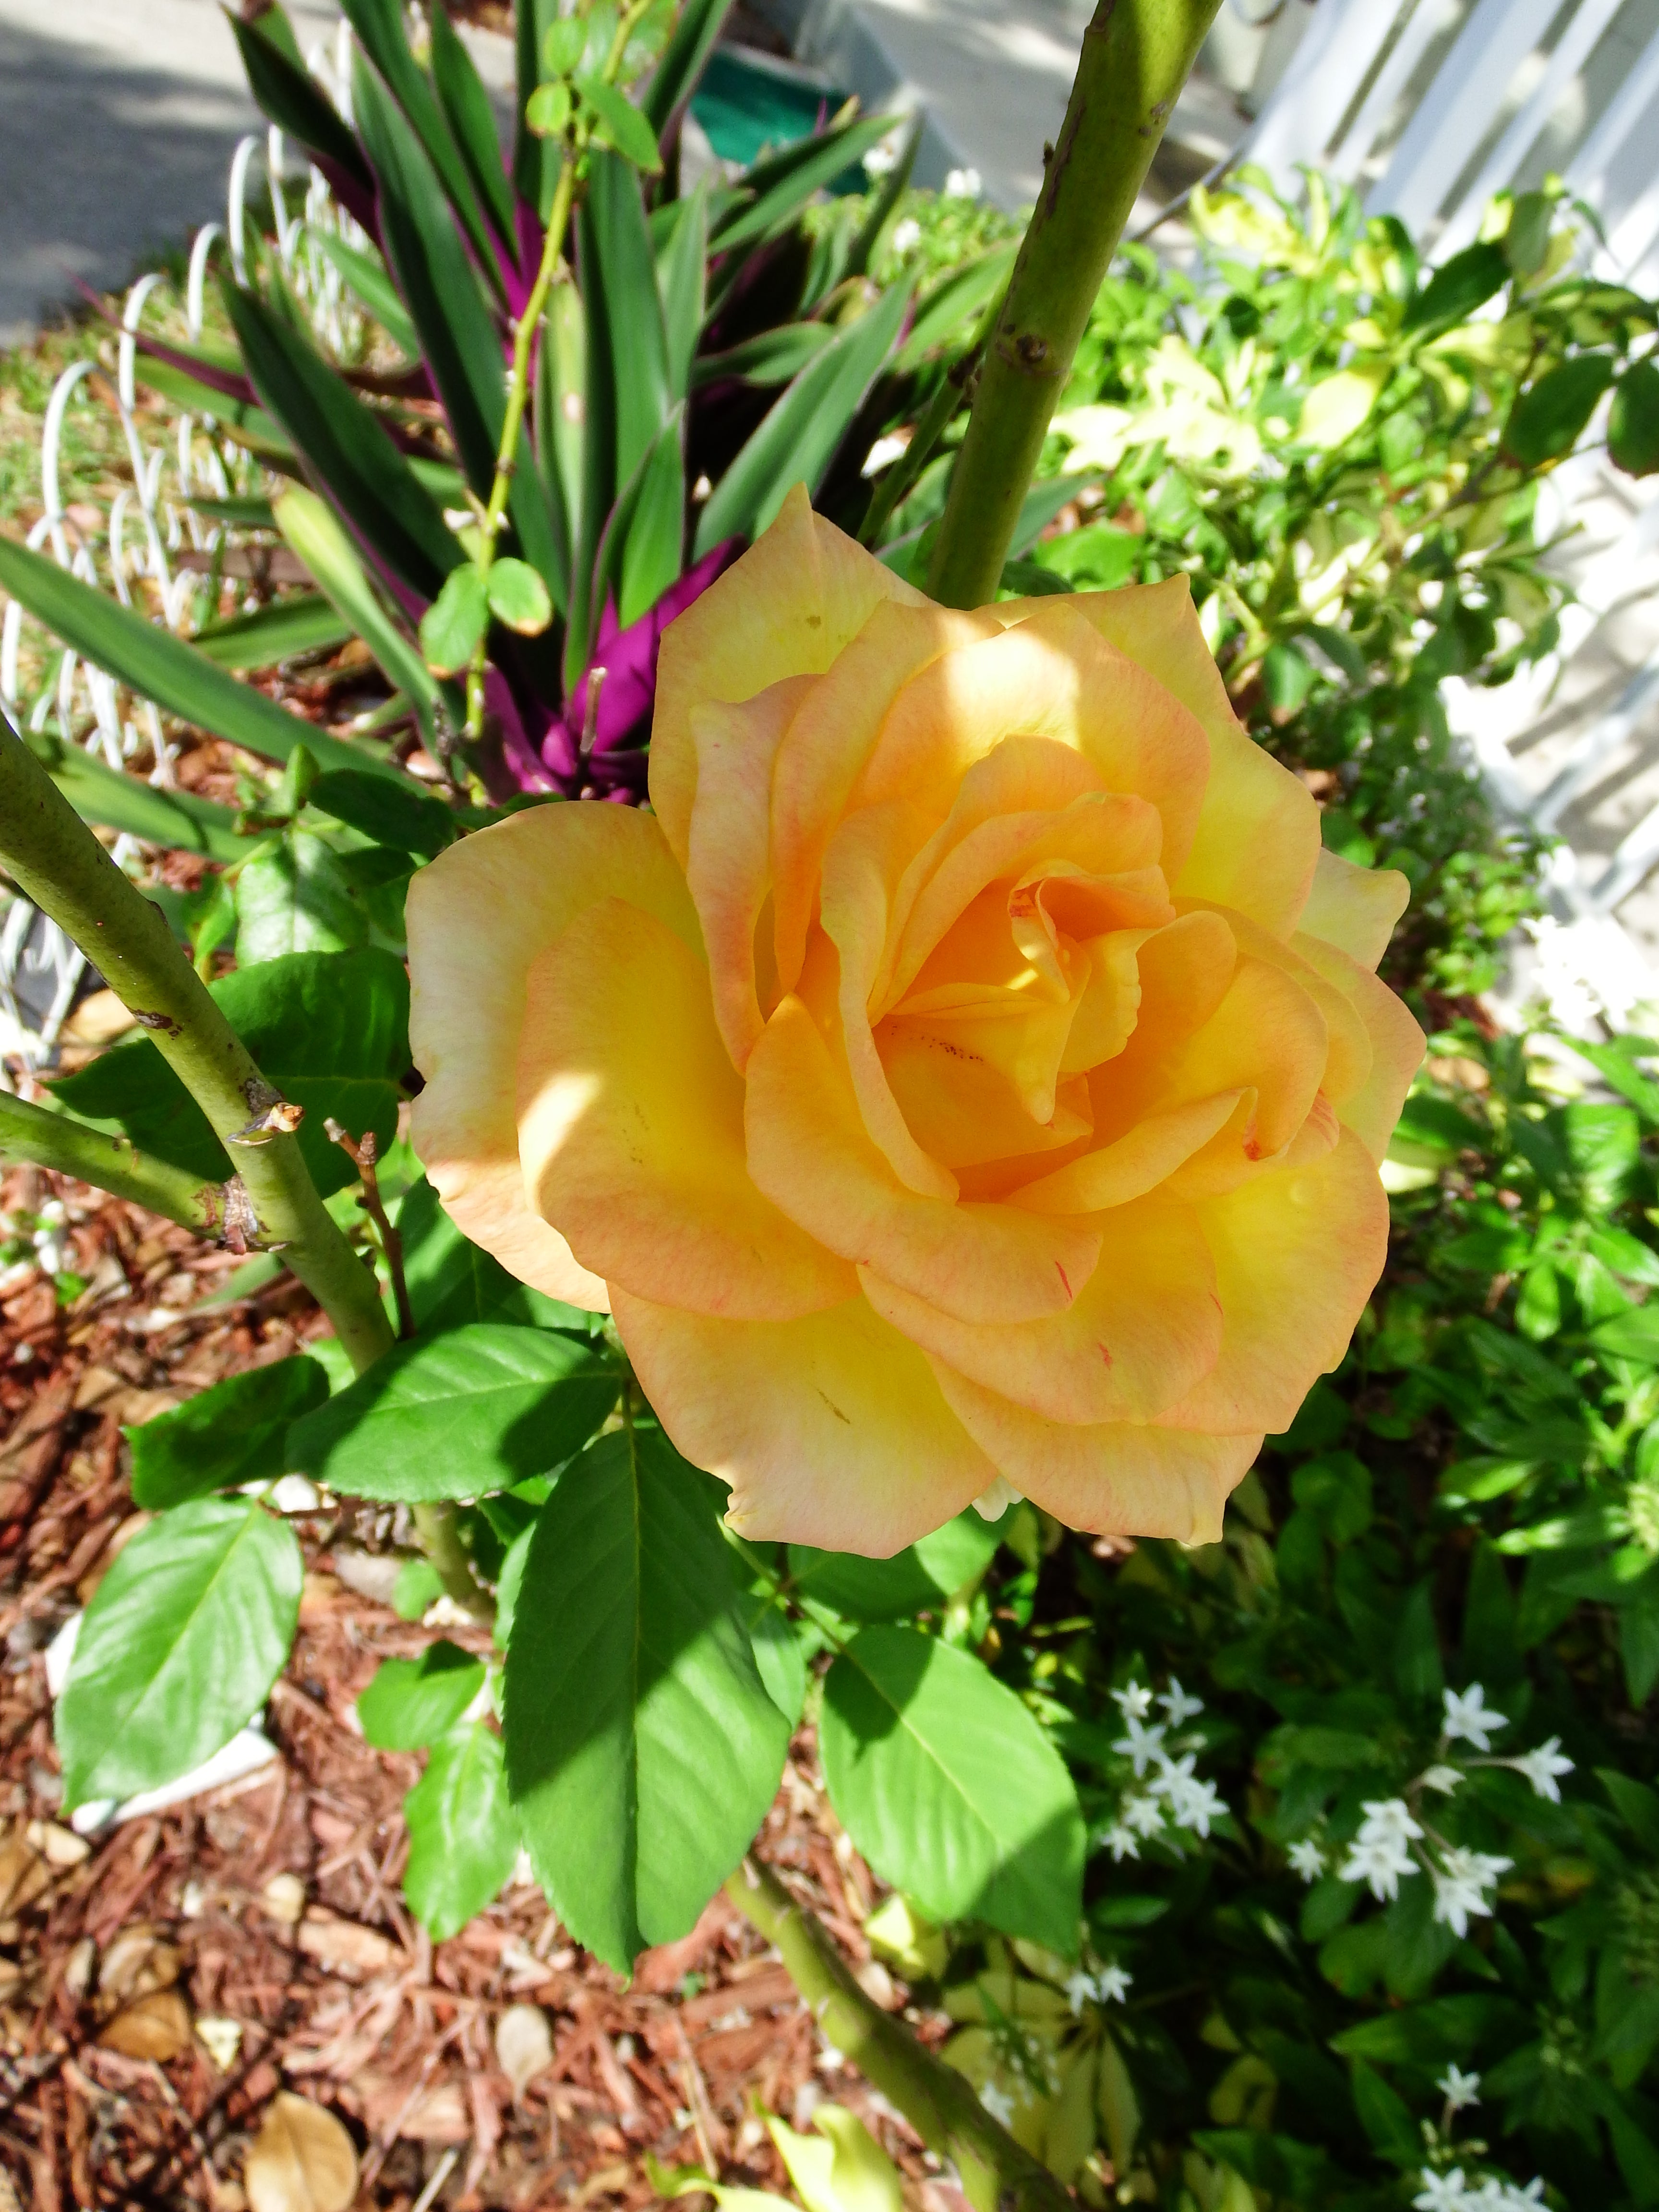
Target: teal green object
[(747, 108)]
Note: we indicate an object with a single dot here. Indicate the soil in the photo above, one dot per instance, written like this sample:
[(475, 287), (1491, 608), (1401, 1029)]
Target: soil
[(160, 1982)]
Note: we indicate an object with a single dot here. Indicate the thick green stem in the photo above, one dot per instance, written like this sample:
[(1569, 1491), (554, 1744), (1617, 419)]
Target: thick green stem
[(1137, 54), (55, 860), (997, 2175), (32, 1136), (438, 1531)]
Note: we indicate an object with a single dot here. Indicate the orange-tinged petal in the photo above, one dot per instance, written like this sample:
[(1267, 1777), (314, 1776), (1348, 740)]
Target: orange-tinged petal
[(1117, 1478), (1354, 908), (1142, 1330), (630, 1120), (800, 593), (1055, 678), (477, 917), (1348, 1059), (1397, 1047), (1257, 839), (829, 1430), (1298, 1252), (827, 744), (728, 864), (1138, 1162), (812, 1155)]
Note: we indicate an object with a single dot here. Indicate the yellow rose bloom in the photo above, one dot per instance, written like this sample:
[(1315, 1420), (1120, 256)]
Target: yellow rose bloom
[(972, 1067)]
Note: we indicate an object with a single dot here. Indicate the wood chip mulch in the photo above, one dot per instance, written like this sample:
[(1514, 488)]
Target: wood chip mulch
[(160, 1982)]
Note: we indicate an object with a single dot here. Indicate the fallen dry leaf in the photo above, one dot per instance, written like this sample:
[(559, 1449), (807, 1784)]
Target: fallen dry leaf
[(153, 2027), (437, 2115), (221, 2039), (284, 1898), (301, 2160), (24, 1872), (523, 2044), (136, 1964), (345, 1946)]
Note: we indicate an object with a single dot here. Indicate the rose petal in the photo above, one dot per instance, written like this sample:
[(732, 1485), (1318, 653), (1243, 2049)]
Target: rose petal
[(1117, 1478), (1257, 839), (1370, 1109), (728, 863), (1142, 1330), (1138, 1161), (812, 1155), (1354, 908), (630, 1128), (479, 916), (802, 591), (831, 1429), (1298, 1252)]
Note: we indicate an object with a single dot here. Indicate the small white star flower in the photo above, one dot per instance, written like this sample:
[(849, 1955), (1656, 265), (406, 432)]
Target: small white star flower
[(1133, 1701), (1121, 1841), (1460, 1886), (1442, 2192), (1173, 1775), (1140, 1744), (1194, 1804), (1180, 1704), (1445, 1779), (1144, 1814), (1307, 1859), (1460, 2090), (1112, 1984), (1541, 1767), (1378, 1863), (1079, 1989), (1388, 1819), (1470, 1719)]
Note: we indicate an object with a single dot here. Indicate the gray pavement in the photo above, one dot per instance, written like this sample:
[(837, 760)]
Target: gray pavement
[(118, 121)]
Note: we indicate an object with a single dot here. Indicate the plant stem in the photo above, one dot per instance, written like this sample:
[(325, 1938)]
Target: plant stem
[(34, 1136), (997, 2174), (56, 861), (438, 1531), (1136, 55)]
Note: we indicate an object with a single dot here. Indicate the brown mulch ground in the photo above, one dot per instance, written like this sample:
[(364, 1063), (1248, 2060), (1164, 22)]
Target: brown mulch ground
[(158, 1987)]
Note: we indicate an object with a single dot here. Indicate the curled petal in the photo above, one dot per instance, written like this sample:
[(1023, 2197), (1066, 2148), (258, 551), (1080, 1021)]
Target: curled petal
[(479, 916), (810, 1153), (1144, 1156), (1298, 1252), (1117, 1478), (829, 1430), (1371, 1108), (1142, 1331), (630, 1119), (801, 594)]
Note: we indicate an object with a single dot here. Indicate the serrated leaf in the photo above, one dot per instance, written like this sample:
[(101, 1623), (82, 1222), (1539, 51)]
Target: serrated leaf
[(619, 124), (642, 1748), (186, 1634), (477, 1409), (519, 597), (410, 1702), (463, 1832), (329, 1030), (296, 897), (950, 1790), (453, 625), (235, 1432), (400, 816)]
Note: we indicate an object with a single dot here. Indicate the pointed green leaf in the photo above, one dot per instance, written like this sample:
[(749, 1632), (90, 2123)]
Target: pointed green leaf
[(463, 1832), (300, 621), (681, 283), (451, 1280), (101, 794), (476, 1409), (350, 450), (187, 1633), (781, 187), (471, 120), (400, 815), (297, 896), (235, 1432), (1459, 286), (453, 625), (696, 27), (642, 1748), (287, 92), (315, 533), (771, 357), (157, 664), (618, 123), (800, 436), (950, 1790), (923, 1575), (519, 597), (410, 1703), (954, 299), (365, 274), (1548, 418), (1633, 421)]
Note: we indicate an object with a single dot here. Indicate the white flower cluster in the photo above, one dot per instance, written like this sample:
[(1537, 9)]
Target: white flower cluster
[(1450, 2192), (1110, 1985), (1382, 1853), (1175, 1796)]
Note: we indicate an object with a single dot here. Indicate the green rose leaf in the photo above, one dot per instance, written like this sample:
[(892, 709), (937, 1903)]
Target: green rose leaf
[(235, 1432), (410, 1703), (463, 1834)]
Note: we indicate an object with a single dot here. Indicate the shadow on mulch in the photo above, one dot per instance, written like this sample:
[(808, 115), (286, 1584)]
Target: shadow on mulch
[(160, 1986)]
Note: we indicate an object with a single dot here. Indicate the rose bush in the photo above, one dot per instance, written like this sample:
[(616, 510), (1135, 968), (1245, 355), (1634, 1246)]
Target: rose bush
[(970, 1074)]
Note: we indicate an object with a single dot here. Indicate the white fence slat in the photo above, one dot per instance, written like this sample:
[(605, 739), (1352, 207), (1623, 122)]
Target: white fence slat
[(1427, 20), (1456, 112), (1314, 93)]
